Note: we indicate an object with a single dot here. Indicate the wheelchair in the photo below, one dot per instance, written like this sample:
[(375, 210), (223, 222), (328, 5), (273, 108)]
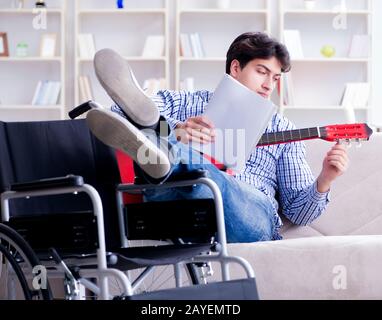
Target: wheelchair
[(69, 212)]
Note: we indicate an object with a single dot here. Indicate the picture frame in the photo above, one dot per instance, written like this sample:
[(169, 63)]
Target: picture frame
[(48, 45), (4, 50)]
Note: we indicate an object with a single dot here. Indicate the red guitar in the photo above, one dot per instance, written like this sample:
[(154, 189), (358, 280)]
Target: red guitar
[(340, 132)]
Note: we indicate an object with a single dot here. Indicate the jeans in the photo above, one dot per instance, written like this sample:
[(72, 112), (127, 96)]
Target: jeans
[(248, 213)]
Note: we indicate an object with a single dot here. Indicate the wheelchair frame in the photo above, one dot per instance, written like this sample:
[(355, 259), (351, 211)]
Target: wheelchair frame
[(103, 271)]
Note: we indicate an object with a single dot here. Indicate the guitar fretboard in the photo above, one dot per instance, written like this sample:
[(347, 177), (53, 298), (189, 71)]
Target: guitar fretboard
[(289, 136)]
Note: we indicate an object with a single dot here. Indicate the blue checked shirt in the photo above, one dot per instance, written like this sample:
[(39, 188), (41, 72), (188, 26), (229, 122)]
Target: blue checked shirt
[(279, 171)]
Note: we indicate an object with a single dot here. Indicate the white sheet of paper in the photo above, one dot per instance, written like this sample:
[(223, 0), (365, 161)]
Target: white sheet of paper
[(240, 116), (1, 46)]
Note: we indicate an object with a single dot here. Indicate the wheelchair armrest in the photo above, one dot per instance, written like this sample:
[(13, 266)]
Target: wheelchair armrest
[(183, 176), (82, 108), (50, 183)]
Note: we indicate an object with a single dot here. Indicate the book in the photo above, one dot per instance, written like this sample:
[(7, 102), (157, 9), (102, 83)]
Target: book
[(86, 46), (292, 40), (356, 95), (196, 46), (48, 45), (36, 94), (154, 46), (53, 93), (188, 84), (86, 92), (152, 86), (288, 89), (46, 93), (360, 46), (42, 94), (200, 45), (185, 45)]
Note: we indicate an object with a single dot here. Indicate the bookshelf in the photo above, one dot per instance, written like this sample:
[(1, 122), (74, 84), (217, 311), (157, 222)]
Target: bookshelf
[(124, 30), (19, 76), (216, 27), (318, 83)]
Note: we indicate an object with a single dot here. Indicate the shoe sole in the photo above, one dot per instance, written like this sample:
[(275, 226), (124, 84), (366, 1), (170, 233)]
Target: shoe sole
[(117, 132), (117, 78)]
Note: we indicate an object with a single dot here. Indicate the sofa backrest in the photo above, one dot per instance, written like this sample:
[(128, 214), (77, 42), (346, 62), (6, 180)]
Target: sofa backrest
[(356, 197)]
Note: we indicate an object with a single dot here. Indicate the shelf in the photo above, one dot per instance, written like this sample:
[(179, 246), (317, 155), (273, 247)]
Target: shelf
[(330, 12), (20, 107), (30, 59), (206, 59), (124, 11), (307, 108), (332, 60), (218, 11), (161, 59), (30, 11)]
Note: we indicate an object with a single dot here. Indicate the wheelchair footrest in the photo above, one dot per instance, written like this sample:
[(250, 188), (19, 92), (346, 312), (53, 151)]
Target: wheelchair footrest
[(243, 289), (137, 257)]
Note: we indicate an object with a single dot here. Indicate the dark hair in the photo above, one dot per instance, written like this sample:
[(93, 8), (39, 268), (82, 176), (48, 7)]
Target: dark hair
[(257, 45)]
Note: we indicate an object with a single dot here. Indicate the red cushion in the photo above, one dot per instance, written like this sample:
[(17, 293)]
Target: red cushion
[(126, 170)]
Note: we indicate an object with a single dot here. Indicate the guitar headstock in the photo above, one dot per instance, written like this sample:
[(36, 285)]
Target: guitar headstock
[(346, 132)]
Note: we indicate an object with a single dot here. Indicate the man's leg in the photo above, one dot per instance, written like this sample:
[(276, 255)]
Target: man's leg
[(248, 212)]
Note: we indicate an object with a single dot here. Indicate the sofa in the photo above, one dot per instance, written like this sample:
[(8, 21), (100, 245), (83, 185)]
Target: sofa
[(339, 255)]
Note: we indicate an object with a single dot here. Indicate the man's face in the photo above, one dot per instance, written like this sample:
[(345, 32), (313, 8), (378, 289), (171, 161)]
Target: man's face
[(259, 75)]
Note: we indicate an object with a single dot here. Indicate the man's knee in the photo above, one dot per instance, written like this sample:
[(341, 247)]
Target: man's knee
[(258, 227)]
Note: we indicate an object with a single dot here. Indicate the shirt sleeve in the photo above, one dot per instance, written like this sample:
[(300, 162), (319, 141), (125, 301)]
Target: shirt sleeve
[(177, 106), (299, 198)]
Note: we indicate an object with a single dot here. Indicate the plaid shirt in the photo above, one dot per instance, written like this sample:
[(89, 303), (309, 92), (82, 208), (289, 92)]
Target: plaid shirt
[(279, 171)]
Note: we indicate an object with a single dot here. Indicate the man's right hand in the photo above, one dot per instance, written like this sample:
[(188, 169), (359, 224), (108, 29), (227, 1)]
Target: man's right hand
[(197, 129)]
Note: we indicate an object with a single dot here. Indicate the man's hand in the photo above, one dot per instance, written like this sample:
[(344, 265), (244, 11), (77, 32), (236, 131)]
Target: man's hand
[(335, 164), (198, 129)]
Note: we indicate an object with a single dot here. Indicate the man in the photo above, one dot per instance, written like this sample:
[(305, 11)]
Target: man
[(275, 179)]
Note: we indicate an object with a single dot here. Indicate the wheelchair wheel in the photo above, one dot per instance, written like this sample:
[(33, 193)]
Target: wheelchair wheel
[(20, 268)]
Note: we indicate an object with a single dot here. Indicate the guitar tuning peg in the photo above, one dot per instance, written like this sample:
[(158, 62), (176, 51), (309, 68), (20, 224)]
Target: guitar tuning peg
[(345, 142), (358, 143)]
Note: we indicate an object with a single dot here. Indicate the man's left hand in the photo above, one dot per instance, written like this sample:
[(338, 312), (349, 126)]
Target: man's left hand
[(335, 163)]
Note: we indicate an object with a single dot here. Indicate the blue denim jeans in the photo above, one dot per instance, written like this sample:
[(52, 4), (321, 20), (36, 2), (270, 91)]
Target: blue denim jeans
[(248, 213)]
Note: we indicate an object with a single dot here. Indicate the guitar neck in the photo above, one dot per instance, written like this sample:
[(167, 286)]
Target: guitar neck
[(290, 136)]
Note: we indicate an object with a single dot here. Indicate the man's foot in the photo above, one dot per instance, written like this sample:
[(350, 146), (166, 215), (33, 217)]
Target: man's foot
[(117, 78), (117, 132)]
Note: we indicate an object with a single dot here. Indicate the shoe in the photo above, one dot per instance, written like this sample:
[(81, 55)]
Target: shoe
[(117, 78), (117, 132)]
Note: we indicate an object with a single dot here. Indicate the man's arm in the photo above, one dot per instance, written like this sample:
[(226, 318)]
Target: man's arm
[(300, 199), (334, 165), (178, 106), (182, 111)]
